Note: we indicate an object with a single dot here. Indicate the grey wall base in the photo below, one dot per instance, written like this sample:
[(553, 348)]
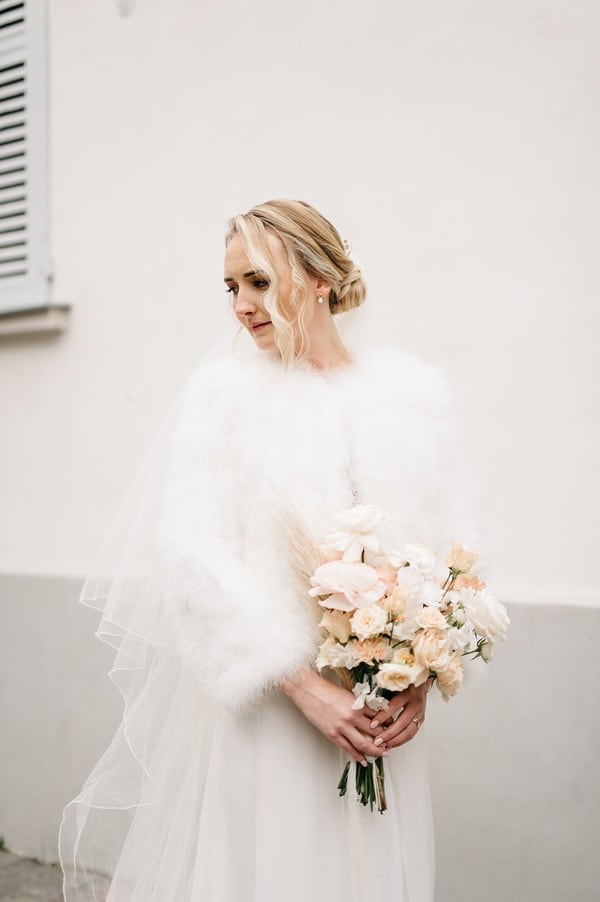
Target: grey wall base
[(513, 758)]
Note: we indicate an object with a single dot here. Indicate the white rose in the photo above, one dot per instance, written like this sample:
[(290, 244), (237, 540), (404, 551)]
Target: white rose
[(449, 680), (357, 530), (368, 622), (486, 650), (486, 613), (396, 677), (432, 649), (422, 557)]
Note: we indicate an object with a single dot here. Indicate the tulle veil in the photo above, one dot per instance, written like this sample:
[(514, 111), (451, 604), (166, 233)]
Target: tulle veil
[(139, 806)]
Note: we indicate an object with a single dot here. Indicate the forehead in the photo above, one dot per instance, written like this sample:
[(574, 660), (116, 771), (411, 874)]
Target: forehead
[(236, 256)]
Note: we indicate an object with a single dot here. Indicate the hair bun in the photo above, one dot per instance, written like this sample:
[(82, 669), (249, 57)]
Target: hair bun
[(352, 290)]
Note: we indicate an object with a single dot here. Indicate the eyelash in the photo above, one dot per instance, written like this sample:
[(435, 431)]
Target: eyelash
[(258, 283)]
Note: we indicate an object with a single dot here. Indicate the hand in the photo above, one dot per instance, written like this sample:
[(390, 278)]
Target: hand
[(329, 708), (411, 704)]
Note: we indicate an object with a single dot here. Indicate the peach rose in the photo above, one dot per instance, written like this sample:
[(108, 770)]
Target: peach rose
[(430, 618), (460, 558), (395, 677), (450, 679), (432, 648), (365, 651)]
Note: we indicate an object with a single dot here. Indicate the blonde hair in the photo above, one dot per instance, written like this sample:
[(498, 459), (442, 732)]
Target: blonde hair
[(314, 248)]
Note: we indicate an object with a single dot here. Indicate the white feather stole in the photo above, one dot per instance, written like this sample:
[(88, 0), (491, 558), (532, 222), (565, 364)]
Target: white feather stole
[(256, 448)]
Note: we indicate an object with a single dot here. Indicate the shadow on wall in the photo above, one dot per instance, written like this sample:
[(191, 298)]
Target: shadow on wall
[(513, 758)]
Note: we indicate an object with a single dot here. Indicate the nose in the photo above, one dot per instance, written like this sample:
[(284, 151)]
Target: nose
[(243, 303)]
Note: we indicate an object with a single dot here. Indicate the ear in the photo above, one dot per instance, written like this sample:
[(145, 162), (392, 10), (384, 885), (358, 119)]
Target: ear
[(322, 286)]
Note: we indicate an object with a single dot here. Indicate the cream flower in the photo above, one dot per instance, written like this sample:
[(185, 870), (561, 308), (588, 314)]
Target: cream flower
[(422, 557), (366, 651), (332, 654), (449, 680), (461, 638), (367, 696), (431, 618), (486, 613), (369, 621), (432, 648), (357, 530), (460, 558), (395, 604), (396, 677), (418, 673), (349, 586), (337, 625)]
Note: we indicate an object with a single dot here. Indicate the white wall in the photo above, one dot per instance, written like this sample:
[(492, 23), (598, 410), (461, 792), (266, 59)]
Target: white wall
[(455, 145)]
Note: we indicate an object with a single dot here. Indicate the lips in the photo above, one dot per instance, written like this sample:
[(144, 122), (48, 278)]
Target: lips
[(259, 325)]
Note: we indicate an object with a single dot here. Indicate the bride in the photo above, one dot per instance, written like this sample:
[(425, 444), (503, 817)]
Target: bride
[(220, 783)]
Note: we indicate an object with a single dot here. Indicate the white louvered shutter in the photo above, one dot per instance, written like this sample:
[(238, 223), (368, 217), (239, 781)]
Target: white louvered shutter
[(24, 255)]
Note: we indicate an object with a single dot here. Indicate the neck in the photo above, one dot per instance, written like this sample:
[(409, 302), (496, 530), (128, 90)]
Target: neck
[(325, 349)]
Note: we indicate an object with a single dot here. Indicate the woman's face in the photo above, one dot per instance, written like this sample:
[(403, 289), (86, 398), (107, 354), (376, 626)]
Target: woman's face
[(248, 287)]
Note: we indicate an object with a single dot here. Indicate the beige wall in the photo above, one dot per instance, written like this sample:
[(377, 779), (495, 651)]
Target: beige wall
[(455, 144)]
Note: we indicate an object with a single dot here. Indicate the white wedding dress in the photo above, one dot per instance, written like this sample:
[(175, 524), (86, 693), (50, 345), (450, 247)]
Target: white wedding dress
[(216, 788)]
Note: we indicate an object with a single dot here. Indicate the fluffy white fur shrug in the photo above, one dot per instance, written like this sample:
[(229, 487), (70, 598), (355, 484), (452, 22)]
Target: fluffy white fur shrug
[(254, 442)]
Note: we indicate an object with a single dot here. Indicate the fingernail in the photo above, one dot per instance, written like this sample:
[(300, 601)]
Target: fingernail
[(379, 741), (364, 763), (374, 723)]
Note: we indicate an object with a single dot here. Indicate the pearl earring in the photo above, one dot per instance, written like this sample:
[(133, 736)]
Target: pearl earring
[(320, 299)]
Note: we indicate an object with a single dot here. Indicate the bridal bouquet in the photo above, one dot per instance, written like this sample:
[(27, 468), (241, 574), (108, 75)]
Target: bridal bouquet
[(393, 620)]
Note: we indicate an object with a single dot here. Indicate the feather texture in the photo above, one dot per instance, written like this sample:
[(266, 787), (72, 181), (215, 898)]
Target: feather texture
[(261, 455)]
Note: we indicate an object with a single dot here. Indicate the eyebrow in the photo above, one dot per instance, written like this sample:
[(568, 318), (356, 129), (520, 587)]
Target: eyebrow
[(247, 275)]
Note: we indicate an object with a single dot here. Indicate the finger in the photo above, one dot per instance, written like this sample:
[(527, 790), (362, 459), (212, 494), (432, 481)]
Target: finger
[(411, 713), (388, 714), (354, 753), (364, 743), (363, 722), (405, 736)]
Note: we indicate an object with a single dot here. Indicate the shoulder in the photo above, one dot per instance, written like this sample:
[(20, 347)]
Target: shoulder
[(399, 374)]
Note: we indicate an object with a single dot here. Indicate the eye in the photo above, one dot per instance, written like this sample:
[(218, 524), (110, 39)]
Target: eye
[(232, 290), (261, 283)]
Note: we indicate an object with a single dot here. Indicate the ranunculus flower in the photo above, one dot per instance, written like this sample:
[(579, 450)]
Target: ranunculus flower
[(369, 621), (487, 614), (431, 648), (450, 678), (431, 618), (357, 530), (422, 557), (337, 624), (461, 558), (349, 585)]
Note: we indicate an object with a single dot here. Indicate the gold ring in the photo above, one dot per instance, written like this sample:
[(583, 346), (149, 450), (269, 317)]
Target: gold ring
[(416, 721)]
